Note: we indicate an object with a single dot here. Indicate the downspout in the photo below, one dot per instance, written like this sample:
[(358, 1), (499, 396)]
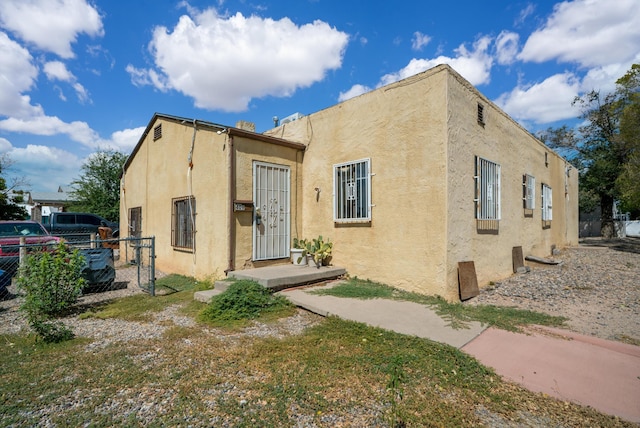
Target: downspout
[(190, 194), (232, 197)]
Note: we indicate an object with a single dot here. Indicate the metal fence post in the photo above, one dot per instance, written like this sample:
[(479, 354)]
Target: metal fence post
[(152, 267)]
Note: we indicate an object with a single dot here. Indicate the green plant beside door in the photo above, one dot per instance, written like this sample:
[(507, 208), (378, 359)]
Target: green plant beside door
[(317, 248)]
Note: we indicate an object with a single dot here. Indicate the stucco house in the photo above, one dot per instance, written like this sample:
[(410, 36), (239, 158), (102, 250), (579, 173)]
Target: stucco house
[(407, 181)]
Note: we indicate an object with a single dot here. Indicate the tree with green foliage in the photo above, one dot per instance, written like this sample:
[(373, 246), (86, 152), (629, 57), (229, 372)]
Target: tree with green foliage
[(98, 189), (629, 112), (9, 210), (605, 148), (52, 282)]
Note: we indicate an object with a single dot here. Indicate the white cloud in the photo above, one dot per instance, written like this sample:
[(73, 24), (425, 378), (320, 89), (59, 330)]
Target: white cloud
[(124, 140), (604, 78), (474, 65), (506, 47), (51, 125), (419, 41), (544, 102), (51, 25), (5, 145), (223, 63), (353, 92), (18, 76), (45, 168), (590, 33), (56, 70), (525, 13)]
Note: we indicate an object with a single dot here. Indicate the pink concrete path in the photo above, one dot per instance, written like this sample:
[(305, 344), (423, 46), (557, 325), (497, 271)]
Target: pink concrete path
[(585, 370)]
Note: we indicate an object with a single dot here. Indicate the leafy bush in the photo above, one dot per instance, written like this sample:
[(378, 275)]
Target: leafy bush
[(243, 300), (52, 283)]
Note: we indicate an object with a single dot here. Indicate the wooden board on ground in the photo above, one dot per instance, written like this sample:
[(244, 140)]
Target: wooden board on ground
[(518, 259), (467, 280)]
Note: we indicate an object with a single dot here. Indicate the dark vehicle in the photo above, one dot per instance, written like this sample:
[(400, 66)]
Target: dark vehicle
[(36, 237), (78, 226)]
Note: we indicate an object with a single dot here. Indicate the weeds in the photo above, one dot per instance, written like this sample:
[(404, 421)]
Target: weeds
[(456, 314), (334, 373), (395, 390), (243, 300)]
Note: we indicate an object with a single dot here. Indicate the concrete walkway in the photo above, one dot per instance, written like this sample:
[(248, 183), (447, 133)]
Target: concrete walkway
[(585, 370), (402, 317)]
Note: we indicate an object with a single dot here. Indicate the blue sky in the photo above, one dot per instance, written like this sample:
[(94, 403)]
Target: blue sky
[(82, 75)]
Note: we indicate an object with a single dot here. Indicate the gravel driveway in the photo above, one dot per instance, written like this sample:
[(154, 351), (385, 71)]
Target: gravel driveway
[(597, 287)]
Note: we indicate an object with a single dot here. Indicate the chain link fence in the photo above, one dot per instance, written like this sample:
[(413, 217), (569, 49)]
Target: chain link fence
[(109, 264)]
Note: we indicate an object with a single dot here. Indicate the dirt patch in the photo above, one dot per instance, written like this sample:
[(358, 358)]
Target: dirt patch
[(597, 287)]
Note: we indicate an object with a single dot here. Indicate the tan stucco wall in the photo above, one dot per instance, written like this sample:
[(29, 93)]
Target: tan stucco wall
[(405, 244), (159, 172), (249, 151), (422, 137), (503, 141)]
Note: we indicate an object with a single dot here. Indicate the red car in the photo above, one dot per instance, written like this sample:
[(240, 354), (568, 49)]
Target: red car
[(10, 233)]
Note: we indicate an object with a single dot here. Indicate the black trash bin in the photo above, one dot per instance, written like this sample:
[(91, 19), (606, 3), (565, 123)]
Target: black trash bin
[(98, 270)]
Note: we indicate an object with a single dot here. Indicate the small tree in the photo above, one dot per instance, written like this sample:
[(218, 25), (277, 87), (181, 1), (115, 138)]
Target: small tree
[(98, 188), (52, 283)]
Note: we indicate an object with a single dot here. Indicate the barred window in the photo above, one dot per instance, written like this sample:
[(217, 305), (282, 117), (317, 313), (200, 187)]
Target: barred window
[(183, 223), (487, 190), (547, 196), (135, 222), (352, 191), (529, 189)]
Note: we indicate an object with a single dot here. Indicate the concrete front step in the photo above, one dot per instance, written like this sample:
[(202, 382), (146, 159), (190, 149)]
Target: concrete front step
[(206, 295), (280, 277), (275, 277)]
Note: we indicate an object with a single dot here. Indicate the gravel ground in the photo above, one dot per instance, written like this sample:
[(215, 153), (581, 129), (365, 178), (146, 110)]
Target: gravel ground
[(596, 286)]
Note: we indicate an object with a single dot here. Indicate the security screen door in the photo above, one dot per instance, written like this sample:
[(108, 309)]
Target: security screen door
[(271, 225)]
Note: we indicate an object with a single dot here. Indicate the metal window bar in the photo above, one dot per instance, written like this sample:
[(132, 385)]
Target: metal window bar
[(529, 192), (184, 222), (547, 207), (135, 222), (352, 191), (487, 190)]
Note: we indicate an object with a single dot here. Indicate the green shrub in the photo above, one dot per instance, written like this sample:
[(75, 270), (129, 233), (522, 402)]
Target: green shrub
[(243, 300), (52, 283)]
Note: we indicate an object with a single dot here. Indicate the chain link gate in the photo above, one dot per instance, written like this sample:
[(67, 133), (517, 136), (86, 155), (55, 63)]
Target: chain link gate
[(140, 253)]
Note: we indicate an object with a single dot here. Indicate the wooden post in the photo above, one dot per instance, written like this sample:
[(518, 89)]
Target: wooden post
[(518, 260), (92, 237), (23, 249)]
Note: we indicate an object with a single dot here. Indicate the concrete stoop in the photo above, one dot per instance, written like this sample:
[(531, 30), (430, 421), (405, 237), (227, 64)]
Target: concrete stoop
[(276, 278)]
